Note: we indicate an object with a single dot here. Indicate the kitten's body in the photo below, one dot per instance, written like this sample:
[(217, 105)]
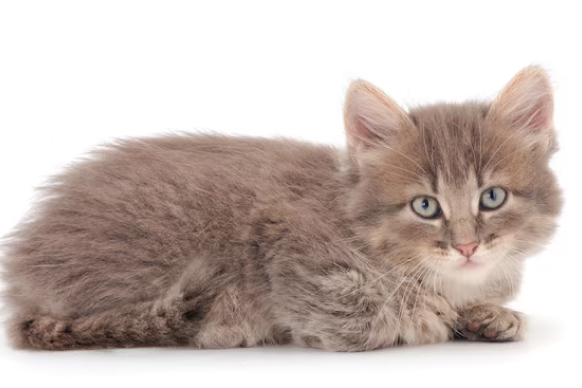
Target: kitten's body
[(213, 241)]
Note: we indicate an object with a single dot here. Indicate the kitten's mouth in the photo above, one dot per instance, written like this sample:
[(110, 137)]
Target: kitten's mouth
[(470, 264)]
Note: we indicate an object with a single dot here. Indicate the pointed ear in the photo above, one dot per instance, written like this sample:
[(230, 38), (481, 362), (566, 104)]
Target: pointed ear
[(371, 117), (526, 105)]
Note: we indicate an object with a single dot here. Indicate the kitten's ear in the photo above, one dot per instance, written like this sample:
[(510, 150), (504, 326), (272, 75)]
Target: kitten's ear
[(371, 117), (526, 105)]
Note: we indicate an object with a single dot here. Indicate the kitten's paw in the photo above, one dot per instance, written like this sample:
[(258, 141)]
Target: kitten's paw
[(489, 322), (47, 333)]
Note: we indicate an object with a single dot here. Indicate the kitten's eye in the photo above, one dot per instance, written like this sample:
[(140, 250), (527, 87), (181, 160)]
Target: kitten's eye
[(492, 198), (426, 207)]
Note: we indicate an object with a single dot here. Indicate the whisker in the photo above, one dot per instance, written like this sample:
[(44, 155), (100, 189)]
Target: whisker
[(406, 295), (498, 148), (509, 155), (404, 278), (392, 270), (405, 156), (418, 292), (531, 242)]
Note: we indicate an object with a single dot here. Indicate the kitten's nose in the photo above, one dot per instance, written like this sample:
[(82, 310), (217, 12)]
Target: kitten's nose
[(467, 250)]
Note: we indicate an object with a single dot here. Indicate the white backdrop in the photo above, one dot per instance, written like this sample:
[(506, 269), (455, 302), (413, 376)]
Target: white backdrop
[(75, 74)]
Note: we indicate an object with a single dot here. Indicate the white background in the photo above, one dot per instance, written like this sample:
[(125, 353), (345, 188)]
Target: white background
[(79, 73)]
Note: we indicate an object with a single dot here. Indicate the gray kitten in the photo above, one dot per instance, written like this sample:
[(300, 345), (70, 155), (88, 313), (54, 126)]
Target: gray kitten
[(415, 235)]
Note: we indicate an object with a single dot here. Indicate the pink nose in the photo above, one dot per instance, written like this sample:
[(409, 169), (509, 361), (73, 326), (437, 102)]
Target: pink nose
[(467, 250)]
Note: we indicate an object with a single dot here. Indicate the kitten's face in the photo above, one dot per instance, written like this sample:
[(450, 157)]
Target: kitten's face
[(460, 190)]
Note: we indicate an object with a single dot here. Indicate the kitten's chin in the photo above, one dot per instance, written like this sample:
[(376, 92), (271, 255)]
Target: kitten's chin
[(471, 272)]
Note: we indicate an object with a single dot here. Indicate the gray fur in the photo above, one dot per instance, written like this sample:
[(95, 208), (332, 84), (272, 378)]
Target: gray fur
[(214, 242)]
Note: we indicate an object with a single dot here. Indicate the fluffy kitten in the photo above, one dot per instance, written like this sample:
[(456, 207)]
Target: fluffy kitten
[(416, 235)]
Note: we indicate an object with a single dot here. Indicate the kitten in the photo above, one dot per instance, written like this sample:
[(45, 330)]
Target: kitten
[(415, 235)]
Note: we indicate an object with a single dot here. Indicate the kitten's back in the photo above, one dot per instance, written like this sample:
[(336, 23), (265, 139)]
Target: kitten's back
[(123, 225)]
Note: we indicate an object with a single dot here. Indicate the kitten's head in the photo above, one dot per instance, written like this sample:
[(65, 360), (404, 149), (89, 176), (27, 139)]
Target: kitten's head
[(459, 189)]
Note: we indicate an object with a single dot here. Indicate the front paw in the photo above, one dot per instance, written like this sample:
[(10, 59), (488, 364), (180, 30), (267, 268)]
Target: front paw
[(490, 322)]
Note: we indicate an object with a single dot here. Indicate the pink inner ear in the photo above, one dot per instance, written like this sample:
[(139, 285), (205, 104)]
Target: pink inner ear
[(540, 117), (372, 120), (533, 115), (362, 134), (527, 101), (371, 117)]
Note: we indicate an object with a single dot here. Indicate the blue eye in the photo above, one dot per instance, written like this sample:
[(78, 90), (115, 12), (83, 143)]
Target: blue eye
[(492, 198), (426, 207)]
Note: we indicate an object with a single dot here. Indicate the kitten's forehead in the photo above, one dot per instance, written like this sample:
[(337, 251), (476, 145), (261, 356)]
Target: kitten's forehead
[(459, 201), (451, 137)]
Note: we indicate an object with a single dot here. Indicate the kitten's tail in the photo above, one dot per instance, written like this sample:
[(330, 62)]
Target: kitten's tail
[(159, 323)]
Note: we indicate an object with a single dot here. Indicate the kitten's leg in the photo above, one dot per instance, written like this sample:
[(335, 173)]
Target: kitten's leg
[(342, 309), (172, 321), (331, 309), (490, 322)]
